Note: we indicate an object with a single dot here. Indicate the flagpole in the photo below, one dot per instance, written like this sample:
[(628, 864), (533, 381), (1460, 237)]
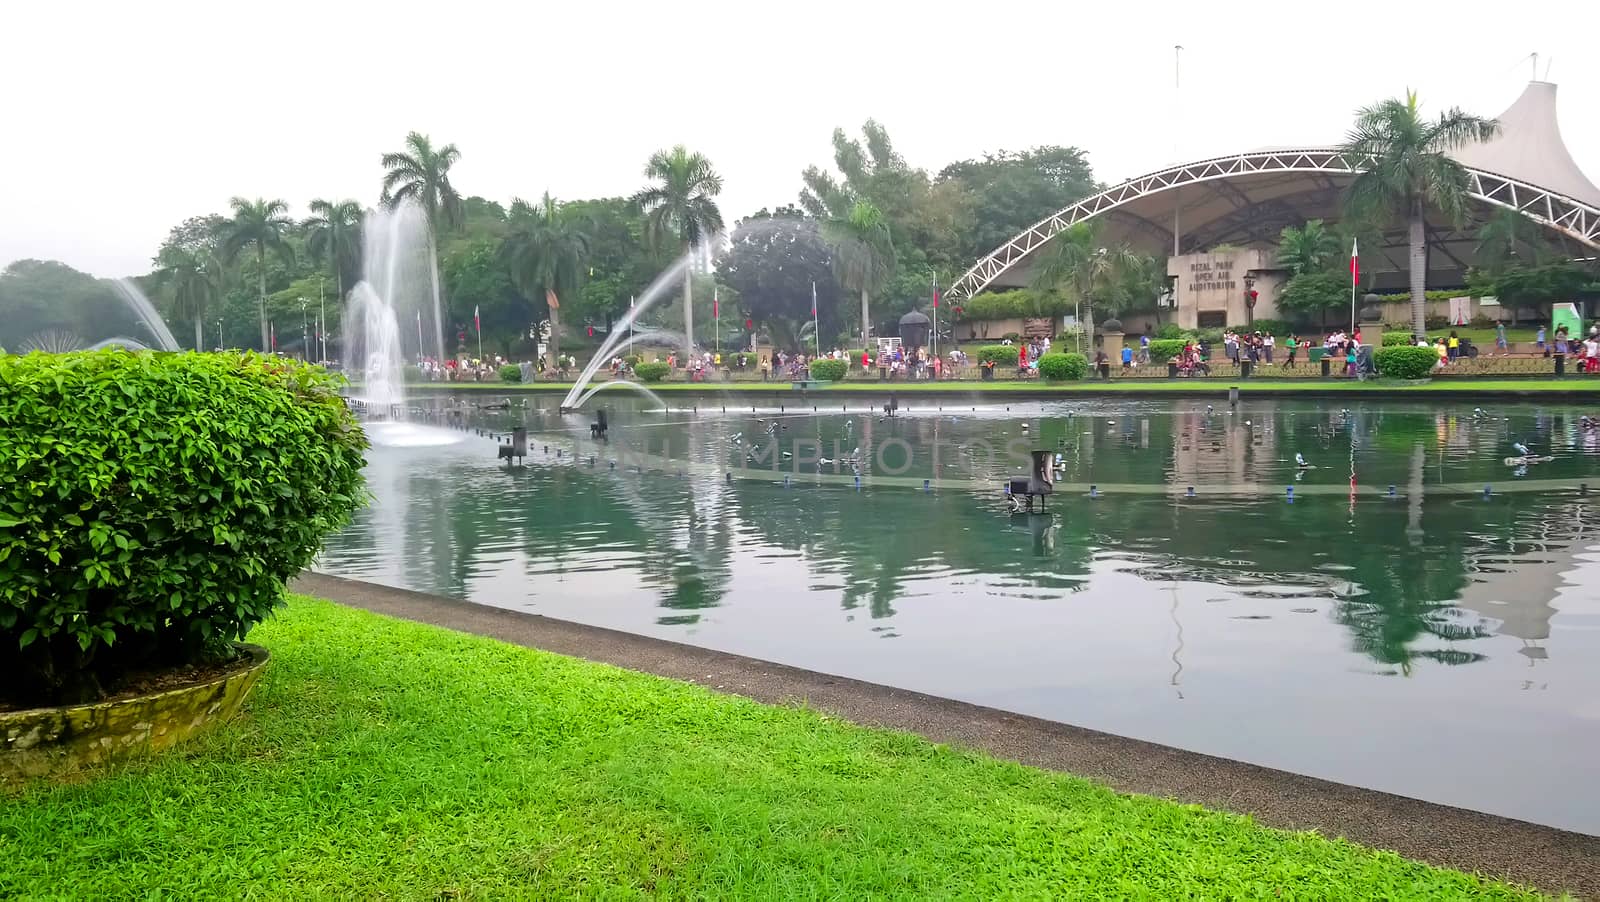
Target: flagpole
[(716, 320), (477, 323), (1354, 269), (935, 340), (631, 300), (816, 321)]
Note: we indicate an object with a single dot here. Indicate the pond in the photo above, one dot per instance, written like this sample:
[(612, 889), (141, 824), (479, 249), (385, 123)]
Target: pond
[(1390, 624)]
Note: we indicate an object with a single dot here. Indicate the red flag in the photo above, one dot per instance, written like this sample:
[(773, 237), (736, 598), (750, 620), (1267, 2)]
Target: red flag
[(1355, 265), (272, 330), (716, 309), (936, 294), (477, 323)]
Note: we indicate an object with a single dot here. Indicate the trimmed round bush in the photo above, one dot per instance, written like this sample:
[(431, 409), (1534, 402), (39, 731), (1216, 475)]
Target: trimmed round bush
[(511, 373), (1058, 367), (1405, 362), (999, 355), (633, 360), (155, 504), (1165, 349), (1397, 339), (651, 372), (828, 369)]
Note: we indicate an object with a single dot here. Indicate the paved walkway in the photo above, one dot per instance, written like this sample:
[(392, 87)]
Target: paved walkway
[(1549, 859)]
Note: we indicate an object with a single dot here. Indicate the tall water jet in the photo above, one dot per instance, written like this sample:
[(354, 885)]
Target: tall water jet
[(393, 314)]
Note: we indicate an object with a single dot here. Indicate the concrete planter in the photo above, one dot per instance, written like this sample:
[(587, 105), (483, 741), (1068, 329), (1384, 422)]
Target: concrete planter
[(44, 742)]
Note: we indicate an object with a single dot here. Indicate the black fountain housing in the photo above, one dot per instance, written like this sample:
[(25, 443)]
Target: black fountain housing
[(597, 429), (518, 447), (1040, 482)]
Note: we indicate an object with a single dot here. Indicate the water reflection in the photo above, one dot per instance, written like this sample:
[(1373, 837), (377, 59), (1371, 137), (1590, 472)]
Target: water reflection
[(1294, 634)]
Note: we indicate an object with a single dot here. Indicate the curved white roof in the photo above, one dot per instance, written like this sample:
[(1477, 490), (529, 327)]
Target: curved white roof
[(1529, 147)]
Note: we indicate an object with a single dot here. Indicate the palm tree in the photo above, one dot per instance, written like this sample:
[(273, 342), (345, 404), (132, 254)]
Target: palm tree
[(1508, 238), (333, 233), (680, 205), (546, 249), (1408, 171), (421, 175), (1312, 248), (1075, 266), (262, 223), (195, 281), (863, 255)]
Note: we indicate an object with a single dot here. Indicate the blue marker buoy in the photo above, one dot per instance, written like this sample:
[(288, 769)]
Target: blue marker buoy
[(1094, 491), (591, 460), (613, 465), (926, 486), (730, 477), (786, 480), (1190, 492), (1391, 490), (1486, 492), (1290, 493), (858, 482)]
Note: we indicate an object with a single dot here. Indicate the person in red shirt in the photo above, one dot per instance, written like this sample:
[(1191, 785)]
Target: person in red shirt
[(866, 360), (1022, 357)]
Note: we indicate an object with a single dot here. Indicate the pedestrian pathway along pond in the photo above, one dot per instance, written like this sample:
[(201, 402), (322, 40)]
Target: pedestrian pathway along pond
[(1419, 615)]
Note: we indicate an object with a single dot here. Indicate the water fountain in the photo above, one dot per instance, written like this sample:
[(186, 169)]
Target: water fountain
[(399, 286), (94, 314)]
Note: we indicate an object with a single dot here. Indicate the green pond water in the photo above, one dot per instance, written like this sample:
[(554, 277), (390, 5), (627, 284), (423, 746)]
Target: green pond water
[(1428, 640)]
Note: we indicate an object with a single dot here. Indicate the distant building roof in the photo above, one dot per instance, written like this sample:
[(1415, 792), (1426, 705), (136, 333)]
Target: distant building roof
[(1529, 147)]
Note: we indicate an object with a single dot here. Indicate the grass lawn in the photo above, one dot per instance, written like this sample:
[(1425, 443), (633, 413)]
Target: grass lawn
[(1087, 387), (380, 759)]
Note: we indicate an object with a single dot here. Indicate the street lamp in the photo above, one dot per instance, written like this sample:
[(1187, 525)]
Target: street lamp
[(1250, 297), (305, 336)]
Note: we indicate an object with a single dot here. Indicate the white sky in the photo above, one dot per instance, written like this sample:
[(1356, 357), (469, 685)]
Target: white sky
[(118, 120)]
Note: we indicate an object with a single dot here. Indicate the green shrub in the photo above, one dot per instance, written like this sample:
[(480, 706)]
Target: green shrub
[(651, 372), (154, 505), (828, 369), (633, 360), (1212, 337), (1405, 362), (1169, 331), (1057, 367), (999, 355), (511, 373), (1397, 339), (1165, 349)]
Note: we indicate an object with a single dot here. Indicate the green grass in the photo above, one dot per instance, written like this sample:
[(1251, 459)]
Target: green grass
[(1307, 385), (384, 759)]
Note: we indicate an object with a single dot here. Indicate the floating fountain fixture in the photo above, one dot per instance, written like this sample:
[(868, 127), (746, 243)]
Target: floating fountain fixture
[(1022, 490)]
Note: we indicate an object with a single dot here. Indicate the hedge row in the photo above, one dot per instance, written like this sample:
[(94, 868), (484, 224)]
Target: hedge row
[(1063, 366), (1405, 362)]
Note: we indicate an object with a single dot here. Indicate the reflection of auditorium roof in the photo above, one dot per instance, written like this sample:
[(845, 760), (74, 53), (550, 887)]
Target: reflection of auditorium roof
[(1529, 147), (1517, 592)]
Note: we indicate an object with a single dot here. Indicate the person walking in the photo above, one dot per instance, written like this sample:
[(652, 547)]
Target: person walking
[(1291, 346), (1501, 346)]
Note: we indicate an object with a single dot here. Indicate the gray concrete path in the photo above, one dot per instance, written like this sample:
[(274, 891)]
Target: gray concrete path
[(1543, 857)]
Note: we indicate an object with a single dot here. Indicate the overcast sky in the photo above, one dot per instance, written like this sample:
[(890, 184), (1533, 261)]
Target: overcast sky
[(121, 119)]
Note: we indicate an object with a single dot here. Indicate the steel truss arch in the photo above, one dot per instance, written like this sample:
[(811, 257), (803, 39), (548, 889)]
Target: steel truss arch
[(1557, 212)]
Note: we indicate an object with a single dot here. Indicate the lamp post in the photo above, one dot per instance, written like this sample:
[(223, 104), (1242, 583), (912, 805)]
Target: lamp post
[(322, 320), (1250, 298), (305, 334), (222, 341)]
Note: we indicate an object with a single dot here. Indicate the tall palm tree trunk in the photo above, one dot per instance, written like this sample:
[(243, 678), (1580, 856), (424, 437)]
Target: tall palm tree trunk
[(555, 332), (1419, 272), (866, 322), (199, 339), (261, 301), (688, 310)]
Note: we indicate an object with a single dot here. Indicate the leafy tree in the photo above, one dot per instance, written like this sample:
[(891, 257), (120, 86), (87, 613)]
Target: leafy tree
[(1011, 190), (547, 251), (873, 171), (1314, 293), (680, 205), (264, 225), (1312, 248), (621, 262), (863, 255), (478, 277), (420, 174), (333, 235), (1408, 171), (1078, 268), (772, 263)]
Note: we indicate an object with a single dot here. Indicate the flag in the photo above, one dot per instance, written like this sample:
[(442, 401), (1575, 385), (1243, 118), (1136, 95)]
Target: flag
[(1355, 265), (936, 292), (813, 300), (476, 322), (716, 305), (551, 299)]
